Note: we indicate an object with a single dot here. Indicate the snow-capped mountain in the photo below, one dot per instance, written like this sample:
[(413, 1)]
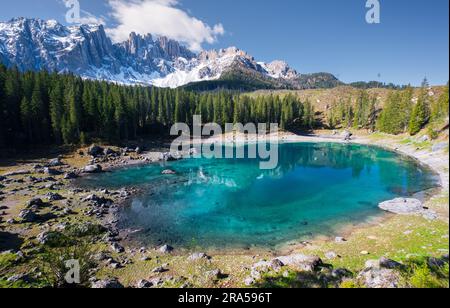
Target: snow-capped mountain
[(87, 51)]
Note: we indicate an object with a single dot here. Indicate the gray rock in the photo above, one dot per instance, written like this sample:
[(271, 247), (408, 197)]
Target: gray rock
[(402, 206), (98, 201), (331, 255), (55, 162), (159, 270), (266, 266), (28, 216), (302, 262), (48, 237), (95, 151), (340, 240), (249, 281), (341, 273), (214, 274), (144, 284), (435, 262), (166, 249), (117, 248), (54, 197), (51, 171), (170, 156), (35, 203), (439, 147), (92, 169), (70, 176), (110, 152), (347, 135), (168, 172), (379, 278), (389, 264), (107, 284), (424, 138), (199, 256)]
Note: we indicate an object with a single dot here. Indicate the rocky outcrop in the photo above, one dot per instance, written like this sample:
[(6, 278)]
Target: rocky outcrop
[(298, 262), (405, 206), (302, 262)]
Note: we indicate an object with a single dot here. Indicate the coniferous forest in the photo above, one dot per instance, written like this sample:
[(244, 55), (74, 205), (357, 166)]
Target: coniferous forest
[(41, 108)]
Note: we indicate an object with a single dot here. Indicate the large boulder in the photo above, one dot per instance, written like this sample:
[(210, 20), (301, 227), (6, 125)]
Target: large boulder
[(166, 249), (54, 197), (302, 262), (379, 278), (117, 248), (28, 216), (402, 206), (92, 169), (35, 203), (347, 135), (199, 256), (95, 151), (55, 162)]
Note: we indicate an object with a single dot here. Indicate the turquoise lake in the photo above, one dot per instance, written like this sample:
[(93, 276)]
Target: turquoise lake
[(230, 203)]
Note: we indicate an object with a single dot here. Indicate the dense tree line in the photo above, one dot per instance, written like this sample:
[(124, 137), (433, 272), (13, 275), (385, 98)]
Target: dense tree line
[(361, 114), (47, 108), (402, 112), (39, 108), (405, 113)]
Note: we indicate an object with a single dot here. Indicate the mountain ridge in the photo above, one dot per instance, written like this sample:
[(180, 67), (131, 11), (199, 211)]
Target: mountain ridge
[(87, 51)]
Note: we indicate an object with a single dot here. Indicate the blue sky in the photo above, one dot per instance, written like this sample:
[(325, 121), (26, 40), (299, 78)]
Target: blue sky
[(412, 40)]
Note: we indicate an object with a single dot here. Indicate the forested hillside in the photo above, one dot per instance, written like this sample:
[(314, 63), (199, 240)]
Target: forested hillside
[(42, 108), (39, 108)]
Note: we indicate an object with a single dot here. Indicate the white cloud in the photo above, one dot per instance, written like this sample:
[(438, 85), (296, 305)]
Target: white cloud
[(80, 16), (162, 18), (88, 18)]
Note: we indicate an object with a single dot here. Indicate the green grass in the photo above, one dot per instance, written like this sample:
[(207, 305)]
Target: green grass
[(397, 238)]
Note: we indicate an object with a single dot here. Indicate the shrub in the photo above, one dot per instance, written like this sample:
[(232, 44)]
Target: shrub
[(52, 264)]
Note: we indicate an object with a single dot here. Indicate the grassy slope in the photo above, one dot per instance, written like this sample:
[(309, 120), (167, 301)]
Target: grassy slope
[(321, 98)]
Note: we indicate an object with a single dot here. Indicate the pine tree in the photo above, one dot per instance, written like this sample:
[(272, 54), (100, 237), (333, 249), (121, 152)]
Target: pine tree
[(421, 114)]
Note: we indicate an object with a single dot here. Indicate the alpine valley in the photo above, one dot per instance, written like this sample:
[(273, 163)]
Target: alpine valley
[(87, 51)]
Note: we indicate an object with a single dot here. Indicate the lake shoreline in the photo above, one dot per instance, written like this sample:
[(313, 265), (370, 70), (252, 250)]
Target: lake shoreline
[(344, 230), (358, 237)]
